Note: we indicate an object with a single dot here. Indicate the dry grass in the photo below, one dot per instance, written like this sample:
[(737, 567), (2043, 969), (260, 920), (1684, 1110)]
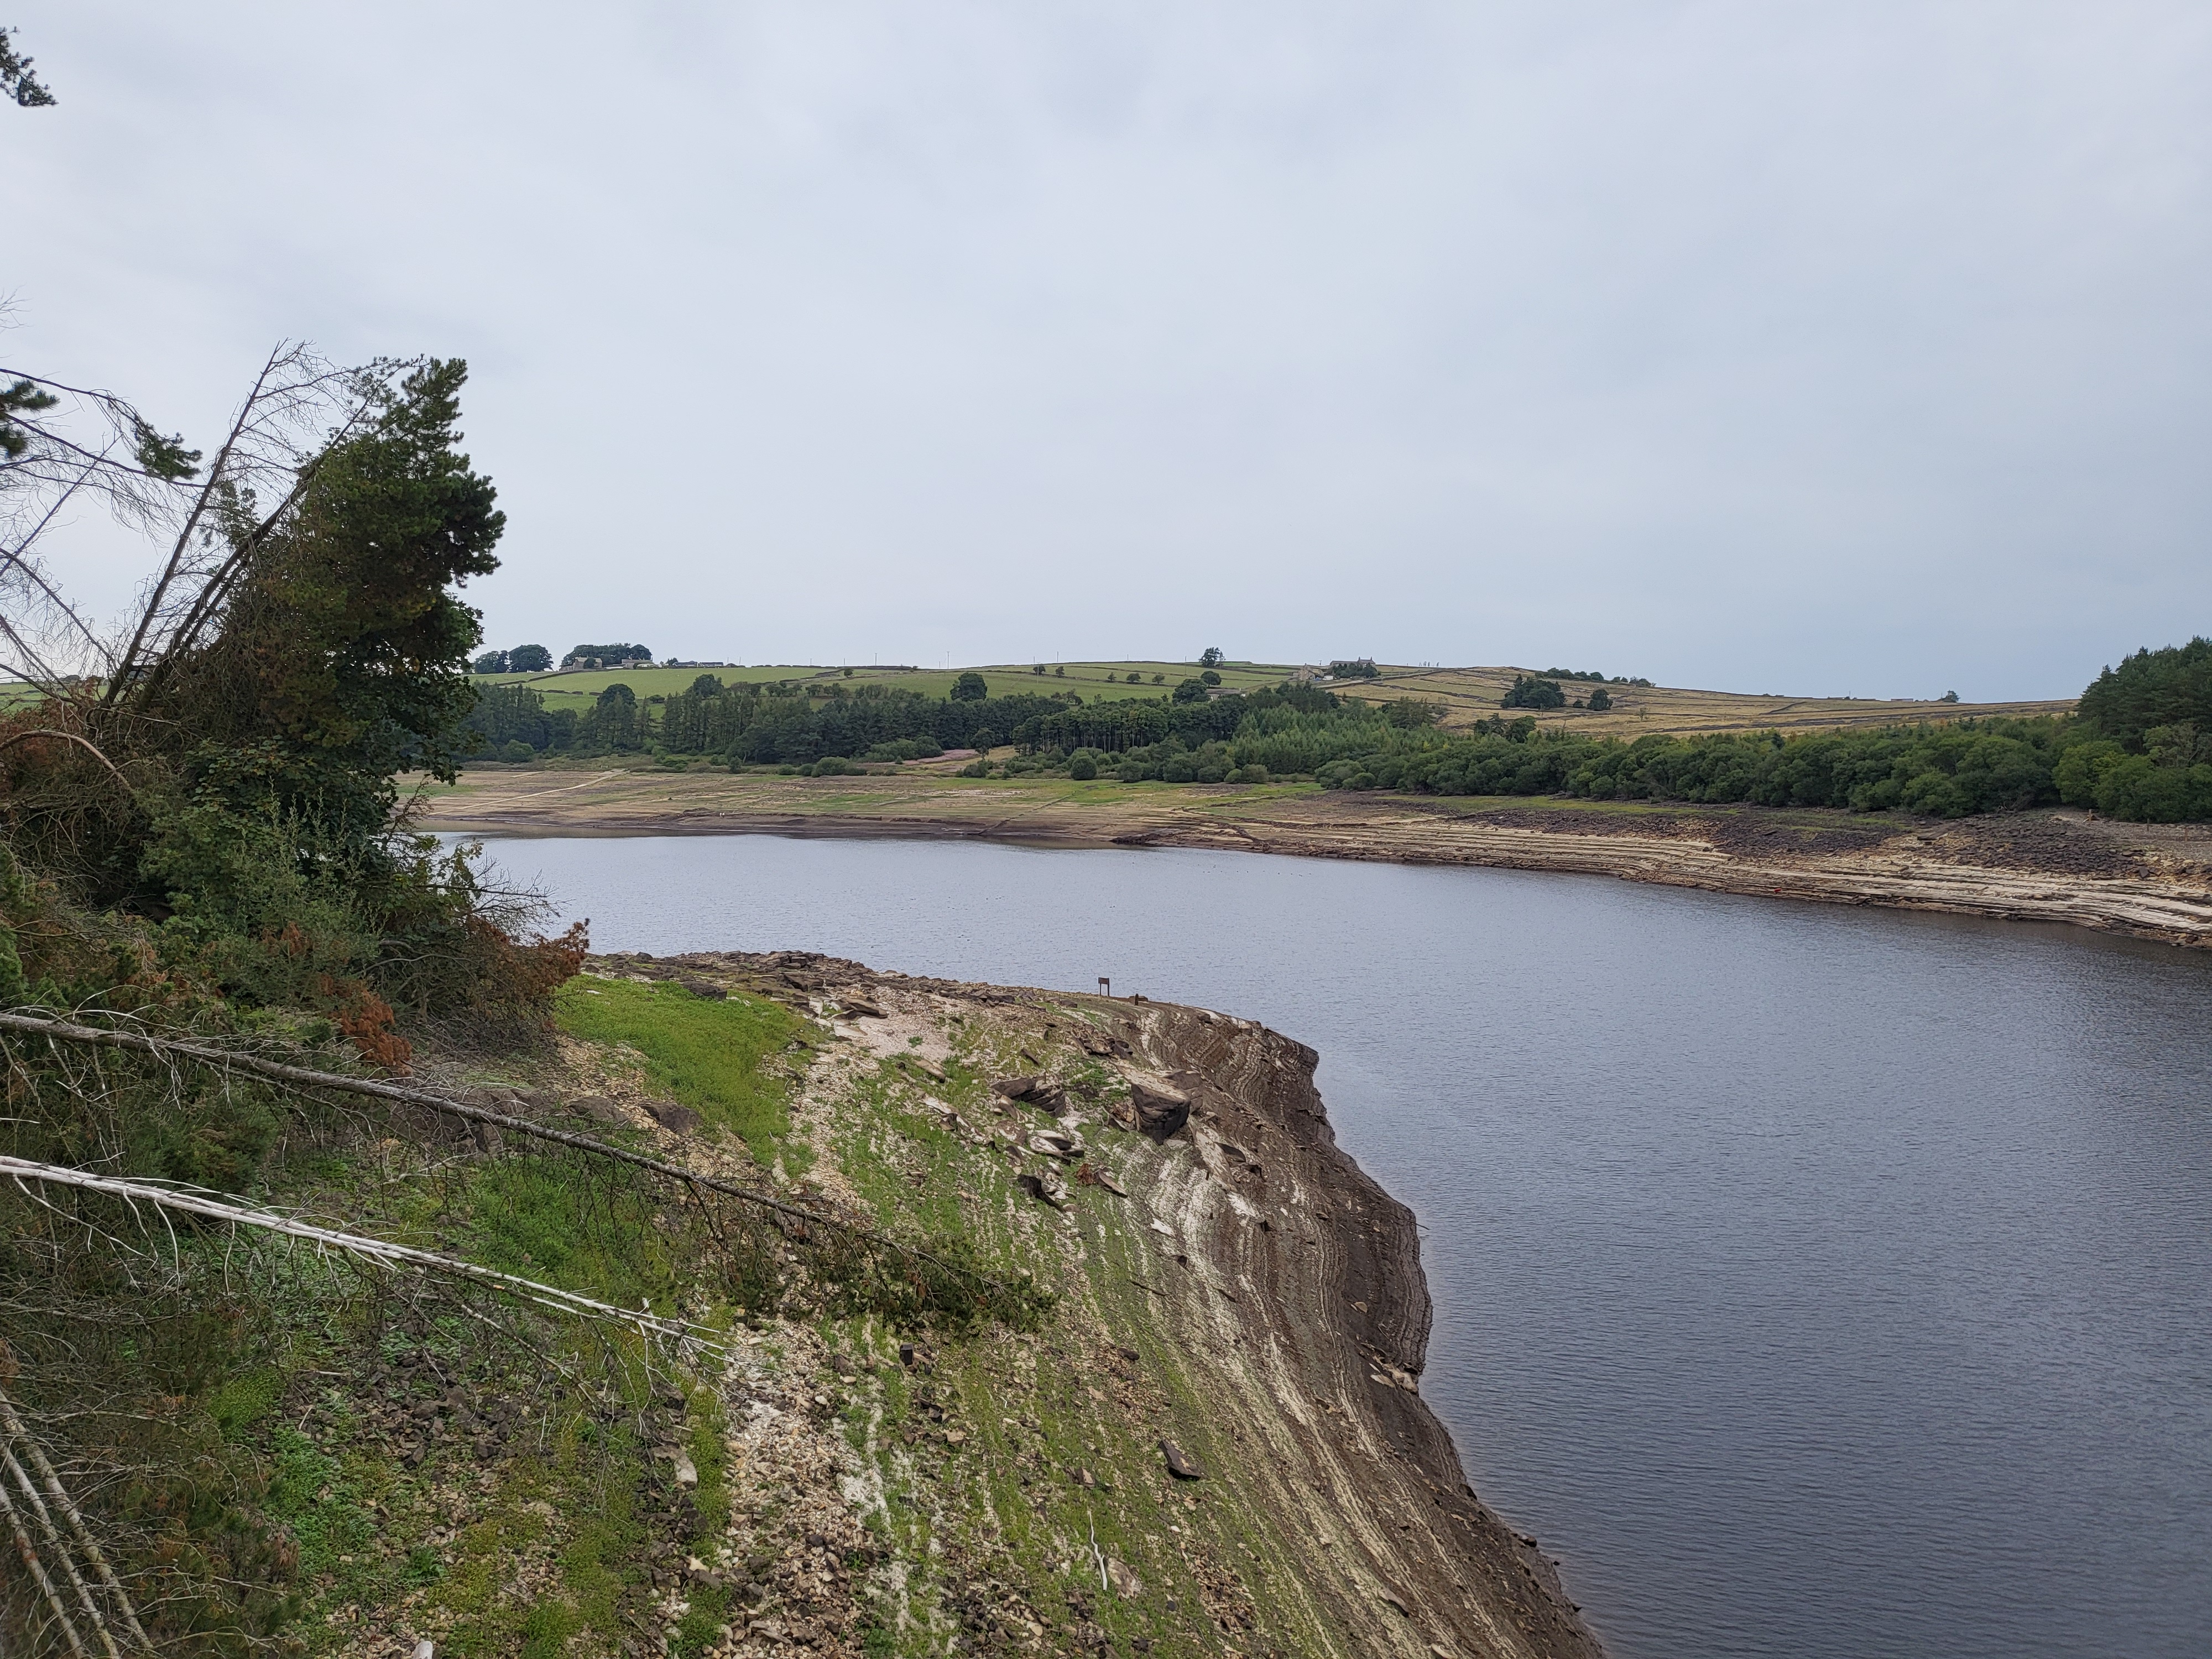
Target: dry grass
[(1472, 694)]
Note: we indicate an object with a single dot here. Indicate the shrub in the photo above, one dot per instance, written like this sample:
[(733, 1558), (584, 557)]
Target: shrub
[(1248, 775), (515, 753), (1082, 767), (1532, 691)]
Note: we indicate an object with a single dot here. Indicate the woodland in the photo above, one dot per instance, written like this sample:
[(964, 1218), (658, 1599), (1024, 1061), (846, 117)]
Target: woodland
[(2139, 748)]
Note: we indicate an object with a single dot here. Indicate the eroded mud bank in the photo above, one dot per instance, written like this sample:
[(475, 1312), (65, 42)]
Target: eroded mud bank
[(1231, 1284)]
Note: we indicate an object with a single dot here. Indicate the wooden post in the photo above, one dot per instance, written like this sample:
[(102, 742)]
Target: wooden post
[(1105, 985)]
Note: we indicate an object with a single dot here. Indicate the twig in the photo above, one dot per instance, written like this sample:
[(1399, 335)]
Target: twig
[(68, 736), (15, 1429), (37, 1573), (46, 1520)]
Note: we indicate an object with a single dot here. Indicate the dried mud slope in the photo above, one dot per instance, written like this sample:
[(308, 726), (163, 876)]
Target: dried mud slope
[(1214, 1442)]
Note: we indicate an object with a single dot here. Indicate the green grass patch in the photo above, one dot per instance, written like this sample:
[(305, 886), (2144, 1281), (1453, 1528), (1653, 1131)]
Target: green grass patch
[(710, 1056)]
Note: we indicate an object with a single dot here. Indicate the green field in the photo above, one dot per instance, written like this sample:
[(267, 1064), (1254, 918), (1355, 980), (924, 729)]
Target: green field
[(1094, 681)]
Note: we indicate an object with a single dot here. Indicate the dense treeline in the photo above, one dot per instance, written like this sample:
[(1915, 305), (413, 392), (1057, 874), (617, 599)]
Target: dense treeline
[(2140, 749)]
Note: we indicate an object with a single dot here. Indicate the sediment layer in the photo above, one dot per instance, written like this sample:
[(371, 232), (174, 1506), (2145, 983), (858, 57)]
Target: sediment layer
[(2148, 881), (1258, 1301)]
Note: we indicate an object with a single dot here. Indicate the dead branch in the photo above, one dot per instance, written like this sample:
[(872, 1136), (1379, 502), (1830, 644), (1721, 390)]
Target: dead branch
[(192, 1201), (302, 1077), (16, 1432), (68, 736), (37, 1571), (10, 1467)]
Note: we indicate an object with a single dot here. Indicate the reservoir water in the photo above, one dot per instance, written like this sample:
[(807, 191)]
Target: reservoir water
[(1817, 1282)]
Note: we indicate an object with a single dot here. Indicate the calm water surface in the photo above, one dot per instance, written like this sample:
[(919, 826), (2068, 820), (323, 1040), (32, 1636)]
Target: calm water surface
[(1813, 1281)]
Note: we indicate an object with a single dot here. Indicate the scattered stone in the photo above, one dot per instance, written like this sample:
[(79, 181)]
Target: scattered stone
[(1057, 1143), (599, 1108), (1178, 1465), (1161, 1109), (705, 987), (1390, 1599), (687, 1472), (1126, 1584), (1045, 1188), (677, 1119)]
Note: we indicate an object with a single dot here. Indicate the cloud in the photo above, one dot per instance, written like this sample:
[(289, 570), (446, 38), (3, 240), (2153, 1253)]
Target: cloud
[(1819, 349)]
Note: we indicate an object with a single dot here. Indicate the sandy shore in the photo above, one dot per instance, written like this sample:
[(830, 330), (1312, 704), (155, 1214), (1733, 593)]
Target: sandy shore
[(2145, 880)]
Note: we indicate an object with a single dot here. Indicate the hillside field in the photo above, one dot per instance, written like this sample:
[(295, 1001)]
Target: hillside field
[(1468, 695)]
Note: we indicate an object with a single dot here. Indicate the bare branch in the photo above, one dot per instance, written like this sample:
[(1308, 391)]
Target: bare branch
[(188, 1200), (304, 1077), (68, 736)]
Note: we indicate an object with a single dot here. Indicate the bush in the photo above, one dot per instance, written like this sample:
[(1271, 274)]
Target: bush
[(905, 749), (1248, 775), (1081, 767), (1532, 691), (515, 753)]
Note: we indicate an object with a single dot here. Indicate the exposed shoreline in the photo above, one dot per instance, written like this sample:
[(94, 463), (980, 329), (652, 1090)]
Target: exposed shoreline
[(1280, 1287), (2144, 881)]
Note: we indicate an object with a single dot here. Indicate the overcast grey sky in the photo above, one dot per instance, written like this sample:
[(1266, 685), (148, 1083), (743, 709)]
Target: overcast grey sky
[(1812, 347)]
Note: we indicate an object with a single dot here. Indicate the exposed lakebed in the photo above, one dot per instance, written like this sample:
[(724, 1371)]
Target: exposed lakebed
[(1814, 1281)]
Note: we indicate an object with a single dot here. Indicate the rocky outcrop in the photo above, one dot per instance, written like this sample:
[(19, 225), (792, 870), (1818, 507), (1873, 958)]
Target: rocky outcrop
[(1277, 1282)]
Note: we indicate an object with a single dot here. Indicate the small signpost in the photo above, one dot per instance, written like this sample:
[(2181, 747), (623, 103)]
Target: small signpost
[(1105, 985)]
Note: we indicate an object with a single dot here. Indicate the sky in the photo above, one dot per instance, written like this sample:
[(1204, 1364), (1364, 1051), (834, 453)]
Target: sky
[(1767, 346)]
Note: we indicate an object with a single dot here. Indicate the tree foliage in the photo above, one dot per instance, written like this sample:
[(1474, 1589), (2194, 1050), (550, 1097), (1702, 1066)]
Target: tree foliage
[(16, 81), (1532, 691)]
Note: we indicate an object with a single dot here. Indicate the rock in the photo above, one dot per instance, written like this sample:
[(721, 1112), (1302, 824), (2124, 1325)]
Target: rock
[(1390, 1599), (426, 1651), (1057, 1143), (1017, 1088), (859, 1007), (1161, 1107), (1126, 1584), (1045, 1189), (705, 987), (1178, 1465), (1112, 1185), (687, 1472), (599, 1108), (677, 1119)]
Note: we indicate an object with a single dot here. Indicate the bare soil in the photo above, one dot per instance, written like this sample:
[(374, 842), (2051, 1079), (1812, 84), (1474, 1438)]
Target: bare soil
[(2146, 880), (1239, 1288)]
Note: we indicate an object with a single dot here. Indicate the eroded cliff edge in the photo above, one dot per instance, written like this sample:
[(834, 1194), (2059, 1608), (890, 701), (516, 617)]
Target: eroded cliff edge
[(1232, 1284)]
